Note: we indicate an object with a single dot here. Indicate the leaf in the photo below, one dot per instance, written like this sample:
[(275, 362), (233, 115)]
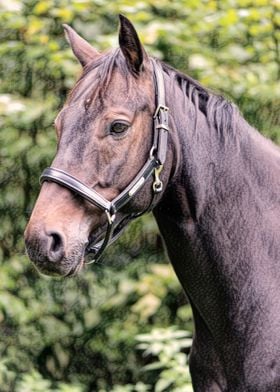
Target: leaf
[(162, 384), (153, 366), (146, 306)]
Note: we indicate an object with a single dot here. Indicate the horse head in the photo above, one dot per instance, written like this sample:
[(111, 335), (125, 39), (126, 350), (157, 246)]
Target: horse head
[(106, 148)]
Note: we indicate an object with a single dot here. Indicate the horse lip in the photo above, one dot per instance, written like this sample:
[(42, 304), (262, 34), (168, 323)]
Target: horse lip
[(74, 271), (59, 270)]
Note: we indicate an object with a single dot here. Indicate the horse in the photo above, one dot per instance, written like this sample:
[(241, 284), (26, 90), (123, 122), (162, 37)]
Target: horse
[(137, 135)]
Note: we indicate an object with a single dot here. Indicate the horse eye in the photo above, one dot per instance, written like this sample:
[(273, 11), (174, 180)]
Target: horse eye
[(118, 127)]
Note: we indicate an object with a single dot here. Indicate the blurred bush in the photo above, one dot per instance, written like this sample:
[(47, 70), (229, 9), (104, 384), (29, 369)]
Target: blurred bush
[(80, 335)]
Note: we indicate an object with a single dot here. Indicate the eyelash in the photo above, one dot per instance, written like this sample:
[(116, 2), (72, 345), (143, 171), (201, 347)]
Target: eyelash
[(123, 127)]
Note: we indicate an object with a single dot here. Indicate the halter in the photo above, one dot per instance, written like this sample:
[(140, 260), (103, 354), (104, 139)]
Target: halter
[(153, 166)]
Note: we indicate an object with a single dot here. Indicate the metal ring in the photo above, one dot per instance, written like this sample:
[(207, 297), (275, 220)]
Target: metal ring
[(157, 186), (152, 150)]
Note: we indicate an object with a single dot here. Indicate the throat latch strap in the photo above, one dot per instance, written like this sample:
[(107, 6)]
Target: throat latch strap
[(161, 124)]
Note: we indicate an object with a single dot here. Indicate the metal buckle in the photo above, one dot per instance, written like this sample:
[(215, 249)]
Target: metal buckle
[(159, 108), (111, 217), (163, 126)]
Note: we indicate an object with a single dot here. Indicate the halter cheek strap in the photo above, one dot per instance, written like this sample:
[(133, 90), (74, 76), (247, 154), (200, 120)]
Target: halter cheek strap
[(153, 166)]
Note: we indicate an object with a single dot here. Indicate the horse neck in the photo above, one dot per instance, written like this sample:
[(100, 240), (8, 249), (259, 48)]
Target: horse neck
[(211, 216)]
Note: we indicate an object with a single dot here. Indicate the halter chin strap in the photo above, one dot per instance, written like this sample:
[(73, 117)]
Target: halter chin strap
[(153, 166)]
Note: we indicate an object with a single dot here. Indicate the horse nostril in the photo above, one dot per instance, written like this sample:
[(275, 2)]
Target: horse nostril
[(56, 247), (56, 242)]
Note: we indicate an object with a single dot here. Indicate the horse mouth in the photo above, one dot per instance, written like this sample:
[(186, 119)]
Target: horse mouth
[(61, 271), (69, 265), (74, 270)]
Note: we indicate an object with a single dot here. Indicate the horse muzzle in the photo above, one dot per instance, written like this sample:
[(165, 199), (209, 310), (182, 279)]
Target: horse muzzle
[(48, 252)]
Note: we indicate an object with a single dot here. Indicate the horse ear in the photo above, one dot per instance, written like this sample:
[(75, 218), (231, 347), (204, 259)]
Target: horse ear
[(80, 47), (130, 45)]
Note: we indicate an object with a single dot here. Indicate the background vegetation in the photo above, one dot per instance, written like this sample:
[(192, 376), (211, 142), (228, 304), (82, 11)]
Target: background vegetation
[(119, 325)]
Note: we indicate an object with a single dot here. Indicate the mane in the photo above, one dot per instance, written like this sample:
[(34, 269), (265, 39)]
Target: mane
[(220, 113)]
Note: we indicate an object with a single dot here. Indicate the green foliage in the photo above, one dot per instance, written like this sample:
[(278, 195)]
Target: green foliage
[(79, 335), (167, 344), (171, 370)]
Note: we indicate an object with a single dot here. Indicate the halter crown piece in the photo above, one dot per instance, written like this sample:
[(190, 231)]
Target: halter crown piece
[(153, 166)]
